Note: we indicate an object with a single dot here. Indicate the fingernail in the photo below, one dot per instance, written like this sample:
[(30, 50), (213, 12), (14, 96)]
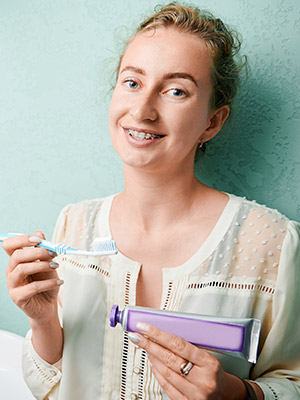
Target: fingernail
[(35, 239), (59, 282), (142, 327), (134, 338), (52, 254), (53, 264)]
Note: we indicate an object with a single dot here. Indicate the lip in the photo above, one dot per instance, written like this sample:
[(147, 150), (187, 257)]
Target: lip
[(141, 143)]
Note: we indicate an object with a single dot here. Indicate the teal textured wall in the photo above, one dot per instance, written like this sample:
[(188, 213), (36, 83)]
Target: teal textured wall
[(56, 60)]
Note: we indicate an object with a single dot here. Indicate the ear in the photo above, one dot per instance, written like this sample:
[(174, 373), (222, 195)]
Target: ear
[(216, 121)]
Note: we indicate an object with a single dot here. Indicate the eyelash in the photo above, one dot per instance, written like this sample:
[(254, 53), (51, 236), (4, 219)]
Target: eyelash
[(183, 93), (128, 81)]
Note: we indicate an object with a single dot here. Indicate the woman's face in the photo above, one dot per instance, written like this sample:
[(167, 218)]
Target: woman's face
[(160, 107)]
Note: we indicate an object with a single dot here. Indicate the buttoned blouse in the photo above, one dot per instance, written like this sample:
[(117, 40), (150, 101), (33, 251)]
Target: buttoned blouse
[(248, 267)]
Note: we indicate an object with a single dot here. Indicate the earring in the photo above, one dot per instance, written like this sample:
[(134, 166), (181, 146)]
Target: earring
[(200, 144)]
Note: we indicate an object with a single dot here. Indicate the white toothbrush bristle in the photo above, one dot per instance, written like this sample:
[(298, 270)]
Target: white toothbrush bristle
[(104, 244)]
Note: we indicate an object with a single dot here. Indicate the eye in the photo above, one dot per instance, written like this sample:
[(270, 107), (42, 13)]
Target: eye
[(131, 84), (177, 92)]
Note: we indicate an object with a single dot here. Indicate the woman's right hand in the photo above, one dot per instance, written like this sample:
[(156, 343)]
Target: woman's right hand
[(32, 279)]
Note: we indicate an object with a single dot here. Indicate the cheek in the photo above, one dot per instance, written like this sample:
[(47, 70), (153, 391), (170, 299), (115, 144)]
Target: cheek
[(115, 114), (198, 116), (189, 127), (189, 122), (116, 110)]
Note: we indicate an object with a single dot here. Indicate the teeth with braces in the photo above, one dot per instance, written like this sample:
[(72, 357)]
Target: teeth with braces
[(141, 135)]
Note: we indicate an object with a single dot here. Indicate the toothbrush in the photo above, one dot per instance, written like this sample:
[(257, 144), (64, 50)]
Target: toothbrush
[(101, 246)]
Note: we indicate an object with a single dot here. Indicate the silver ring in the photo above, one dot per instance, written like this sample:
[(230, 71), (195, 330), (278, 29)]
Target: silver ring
[(185, 368)]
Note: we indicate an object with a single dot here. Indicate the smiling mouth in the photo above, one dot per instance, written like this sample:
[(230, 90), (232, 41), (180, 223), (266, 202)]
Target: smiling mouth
[(140, 135)]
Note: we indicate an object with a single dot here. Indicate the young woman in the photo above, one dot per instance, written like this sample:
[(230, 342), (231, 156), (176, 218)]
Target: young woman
[(182, 245)]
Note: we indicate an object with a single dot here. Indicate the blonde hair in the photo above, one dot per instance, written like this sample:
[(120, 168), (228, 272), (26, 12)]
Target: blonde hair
[(223, 43)]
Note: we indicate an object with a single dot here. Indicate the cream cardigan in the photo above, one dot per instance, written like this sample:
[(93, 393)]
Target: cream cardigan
[(249, 266)]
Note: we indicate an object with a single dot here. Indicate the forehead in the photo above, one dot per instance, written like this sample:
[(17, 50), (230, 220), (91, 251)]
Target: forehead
[(168, 50)]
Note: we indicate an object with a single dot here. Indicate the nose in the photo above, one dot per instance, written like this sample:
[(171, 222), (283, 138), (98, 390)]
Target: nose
[(144, 108)]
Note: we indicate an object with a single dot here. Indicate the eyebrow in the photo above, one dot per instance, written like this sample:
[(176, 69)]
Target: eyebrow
[(171, 75)]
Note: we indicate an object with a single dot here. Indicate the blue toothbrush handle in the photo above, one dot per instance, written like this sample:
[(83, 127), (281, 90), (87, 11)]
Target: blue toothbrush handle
[(58, 248), (4, 236)]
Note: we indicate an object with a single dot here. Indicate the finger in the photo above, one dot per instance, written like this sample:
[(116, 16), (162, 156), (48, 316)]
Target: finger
[(166, 362), (19, 241), (40, 234), (22, 271), (167, 358), (180, 382), (21, 256), (22, 294), (16, 242), (172, 392), (177, 345)]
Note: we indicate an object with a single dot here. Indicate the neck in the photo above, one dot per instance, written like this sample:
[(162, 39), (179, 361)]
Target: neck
[(154, 201)]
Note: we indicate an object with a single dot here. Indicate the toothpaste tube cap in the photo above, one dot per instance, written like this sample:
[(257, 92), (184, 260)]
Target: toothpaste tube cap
[(114, 315)]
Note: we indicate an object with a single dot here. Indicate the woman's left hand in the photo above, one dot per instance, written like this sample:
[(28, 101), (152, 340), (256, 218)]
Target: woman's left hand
[(168, 355)]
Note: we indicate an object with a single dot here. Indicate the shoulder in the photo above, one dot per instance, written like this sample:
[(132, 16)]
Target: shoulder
[(263, 226), (261, 219), (74, 219), (259, 215), (84, 208), (263, 239)]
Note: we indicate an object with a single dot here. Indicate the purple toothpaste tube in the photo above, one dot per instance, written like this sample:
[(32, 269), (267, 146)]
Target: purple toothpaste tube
[(235, 336)]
